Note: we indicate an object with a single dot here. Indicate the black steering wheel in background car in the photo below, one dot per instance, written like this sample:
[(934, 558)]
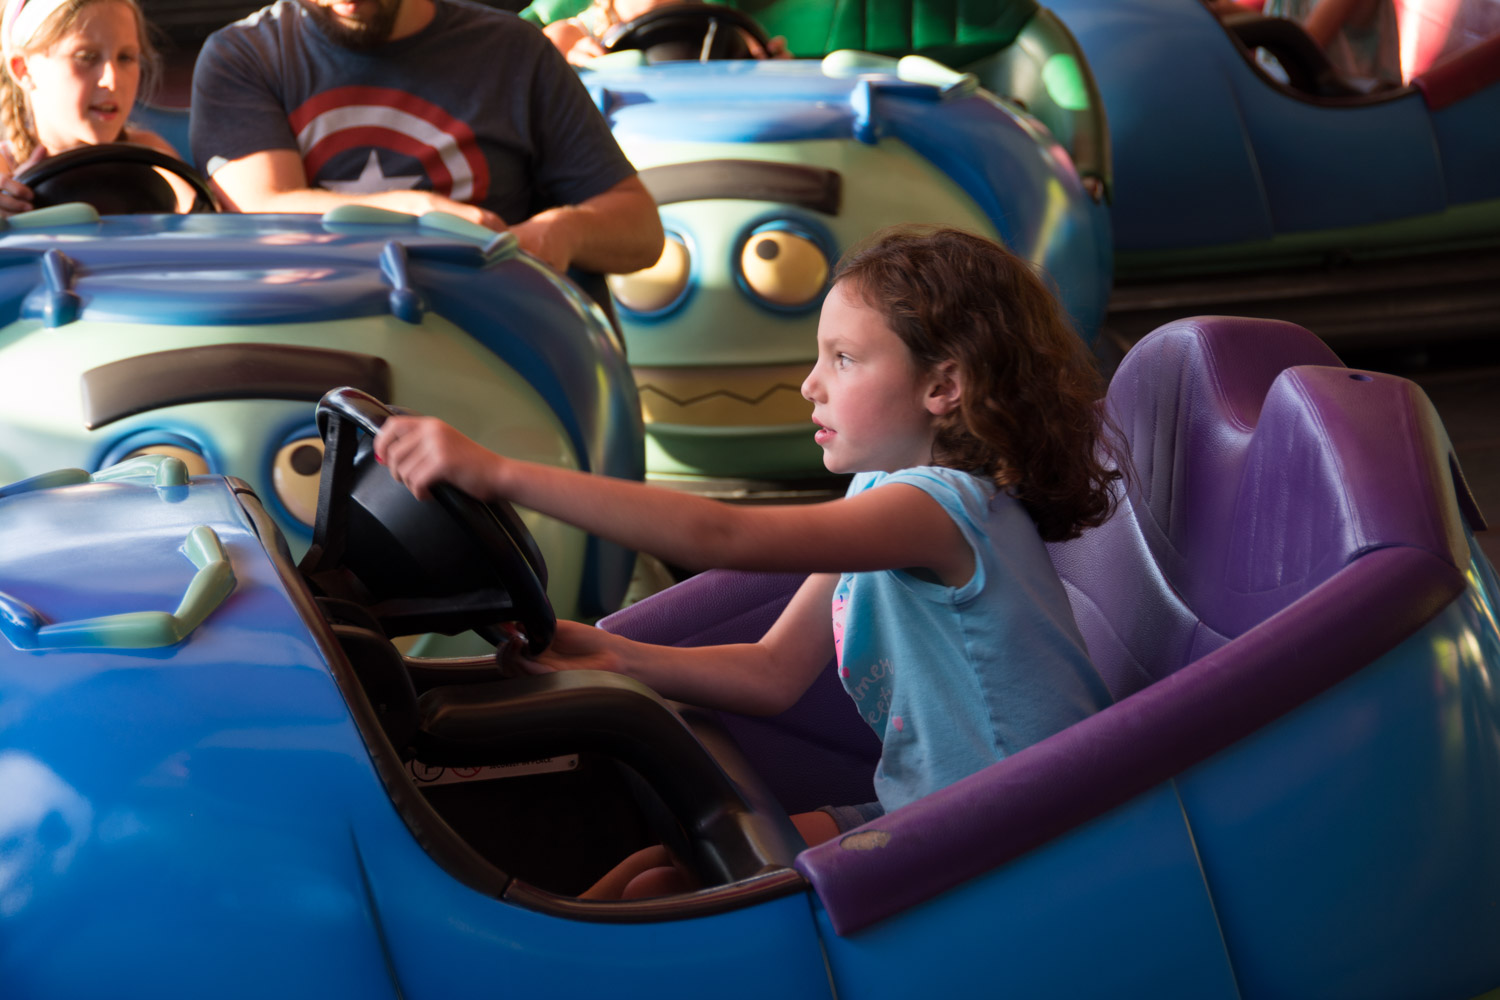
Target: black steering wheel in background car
[(689, 31), (448, 564), (1308, 68), (117, 178)]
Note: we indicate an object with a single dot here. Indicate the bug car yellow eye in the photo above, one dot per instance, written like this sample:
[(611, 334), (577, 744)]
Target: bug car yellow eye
[(658, 287), (784, 267), (295, 473), (196, 464)]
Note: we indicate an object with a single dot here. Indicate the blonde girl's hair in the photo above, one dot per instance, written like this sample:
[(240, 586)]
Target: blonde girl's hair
[(1030, 417), (17, 128)]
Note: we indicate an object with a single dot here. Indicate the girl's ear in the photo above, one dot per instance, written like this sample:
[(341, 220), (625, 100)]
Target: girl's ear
[(944, 389), (17, 67)]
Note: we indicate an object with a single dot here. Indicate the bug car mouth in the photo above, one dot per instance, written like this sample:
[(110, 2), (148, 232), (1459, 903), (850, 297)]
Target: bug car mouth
[(757, 396)]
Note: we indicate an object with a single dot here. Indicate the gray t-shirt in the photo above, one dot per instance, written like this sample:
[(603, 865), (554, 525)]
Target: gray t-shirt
[(477, 106)]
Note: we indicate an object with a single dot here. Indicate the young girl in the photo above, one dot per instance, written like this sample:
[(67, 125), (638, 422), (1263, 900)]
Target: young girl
[(72, 72), (948, 380)]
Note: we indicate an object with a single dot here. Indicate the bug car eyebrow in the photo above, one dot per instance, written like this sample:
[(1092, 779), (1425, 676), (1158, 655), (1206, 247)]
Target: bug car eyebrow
[(225, 371), (807, 187)]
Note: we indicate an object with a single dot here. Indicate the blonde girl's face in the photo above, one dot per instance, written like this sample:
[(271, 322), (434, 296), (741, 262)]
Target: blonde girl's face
[(81, 90), (874, 408)]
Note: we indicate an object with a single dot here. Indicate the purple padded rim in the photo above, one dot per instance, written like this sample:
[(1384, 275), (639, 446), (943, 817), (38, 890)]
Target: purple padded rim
[(1019, 803)]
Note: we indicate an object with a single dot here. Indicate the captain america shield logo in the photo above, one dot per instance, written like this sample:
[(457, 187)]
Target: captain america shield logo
[(421, 140)]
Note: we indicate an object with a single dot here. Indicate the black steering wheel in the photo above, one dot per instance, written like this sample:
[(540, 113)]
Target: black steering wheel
[(445, 565), (117, 178), (1307, 66), (689, 31)]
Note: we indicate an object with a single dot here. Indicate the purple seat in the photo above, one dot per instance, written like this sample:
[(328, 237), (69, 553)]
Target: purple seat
[(1287, 522)]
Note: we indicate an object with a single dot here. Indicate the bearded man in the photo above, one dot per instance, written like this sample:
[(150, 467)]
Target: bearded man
[(415, 106)]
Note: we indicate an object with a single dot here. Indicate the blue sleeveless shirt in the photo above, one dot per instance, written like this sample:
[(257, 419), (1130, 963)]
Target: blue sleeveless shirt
[(954, 679)]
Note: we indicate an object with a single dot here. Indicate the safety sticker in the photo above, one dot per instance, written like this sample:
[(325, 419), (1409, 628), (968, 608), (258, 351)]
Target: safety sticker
[(427, 774)]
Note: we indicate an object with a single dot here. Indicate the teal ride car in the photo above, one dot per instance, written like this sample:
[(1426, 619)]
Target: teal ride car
[(209, 338), (766, 172)]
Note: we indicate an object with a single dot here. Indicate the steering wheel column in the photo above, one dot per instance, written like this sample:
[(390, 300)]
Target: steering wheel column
[(444, 565)]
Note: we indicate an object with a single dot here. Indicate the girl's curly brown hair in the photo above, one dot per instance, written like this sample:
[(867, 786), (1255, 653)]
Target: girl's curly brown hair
[(1029, 417)]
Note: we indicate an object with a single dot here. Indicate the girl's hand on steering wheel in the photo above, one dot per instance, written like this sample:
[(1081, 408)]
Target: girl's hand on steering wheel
[(423, 451), (15, 197)]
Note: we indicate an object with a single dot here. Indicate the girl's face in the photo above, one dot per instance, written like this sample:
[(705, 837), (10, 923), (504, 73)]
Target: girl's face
[(874, 408), (81, 90)]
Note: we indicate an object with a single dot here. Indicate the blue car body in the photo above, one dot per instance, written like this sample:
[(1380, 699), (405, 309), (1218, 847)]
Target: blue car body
[(1211, 153), (1305, 804), (223, 828), (1374, 216)]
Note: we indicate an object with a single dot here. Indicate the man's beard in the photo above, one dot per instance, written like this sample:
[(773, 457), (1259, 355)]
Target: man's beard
[(360, 36)]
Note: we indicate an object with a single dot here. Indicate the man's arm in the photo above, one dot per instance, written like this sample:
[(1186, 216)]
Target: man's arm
[(274, 181), (614, 232)]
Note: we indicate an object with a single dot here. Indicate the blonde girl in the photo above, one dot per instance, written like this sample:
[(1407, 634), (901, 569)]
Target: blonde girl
[(73, 70)]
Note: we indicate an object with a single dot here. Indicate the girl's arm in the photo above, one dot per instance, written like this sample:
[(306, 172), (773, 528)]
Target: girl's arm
[(893, 527), (757, 678)]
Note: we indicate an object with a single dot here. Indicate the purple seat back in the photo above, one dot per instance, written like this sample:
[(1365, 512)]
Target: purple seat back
[(1242, 498)]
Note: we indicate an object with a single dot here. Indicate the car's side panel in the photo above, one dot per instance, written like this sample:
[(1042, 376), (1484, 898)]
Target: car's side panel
[(1207, 150), (1119, 901), (174, 821), (447, 941), (1470, 144), (1350, 846), (1323, 167)]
